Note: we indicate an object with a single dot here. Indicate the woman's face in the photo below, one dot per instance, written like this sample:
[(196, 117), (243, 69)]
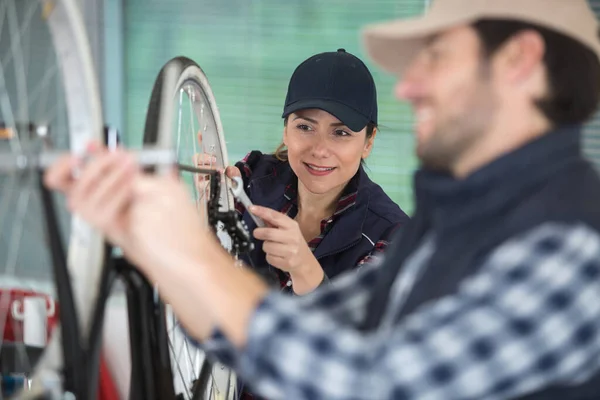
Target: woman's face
[(323, 152)]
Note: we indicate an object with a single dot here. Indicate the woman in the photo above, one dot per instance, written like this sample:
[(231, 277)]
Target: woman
[(333, 217)]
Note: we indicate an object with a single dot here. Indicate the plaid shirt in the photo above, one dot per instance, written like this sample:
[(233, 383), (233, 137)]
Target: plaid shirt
[(290, 208), (529, 318)]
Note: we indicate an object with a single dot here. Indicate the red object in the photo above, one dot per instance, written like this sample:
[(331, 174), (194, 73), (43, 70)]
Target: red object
[(107, 390), (11, 309)]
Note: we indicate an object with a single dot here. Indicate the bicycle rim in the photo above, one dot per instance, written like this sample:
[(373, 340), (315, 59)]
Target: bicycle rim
[(182, 104), (48, 94)]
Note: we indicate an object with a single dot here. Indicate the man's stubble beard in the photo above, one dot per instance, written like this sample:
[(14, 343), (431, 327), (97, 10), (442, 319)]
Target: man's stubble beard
[(458, 135)]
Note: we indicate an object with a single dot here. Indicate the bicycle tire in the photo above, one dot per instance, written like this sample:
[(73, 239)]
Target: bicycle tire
[(158, 131), (85, 255)]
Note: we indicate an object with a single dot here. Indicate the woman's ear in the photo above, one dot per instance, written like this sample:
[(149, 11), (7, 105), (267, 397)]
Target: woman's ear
[(284, 138), (369, 144)]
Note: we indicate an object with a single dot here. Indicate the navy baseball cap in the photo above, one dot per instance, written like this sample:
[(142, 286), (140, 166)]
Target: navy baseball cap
[(337, 82)]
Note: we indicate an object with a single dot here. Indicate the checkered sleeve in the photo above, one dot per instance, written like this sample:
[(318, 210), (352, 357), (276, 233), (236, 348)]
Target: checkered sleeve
[(527, 319), (344, 299)]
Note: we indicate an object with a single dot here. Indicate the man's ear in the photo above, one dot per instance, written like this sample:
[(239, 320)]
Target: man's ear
[(521, 57)]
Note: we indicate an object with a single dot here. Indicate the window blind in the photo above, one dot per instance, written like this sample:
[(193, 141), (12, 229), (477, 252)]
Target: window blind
[(591, 140), (248, 50)]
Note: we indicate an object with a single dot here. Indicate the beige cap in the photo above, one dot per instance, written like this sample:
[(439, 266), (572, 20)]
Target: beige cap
[(392, 45)]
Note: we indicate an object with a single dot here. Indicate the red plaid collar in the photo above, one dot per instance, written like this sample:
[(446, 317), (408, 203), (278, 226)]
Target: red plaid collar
[(347, 199)]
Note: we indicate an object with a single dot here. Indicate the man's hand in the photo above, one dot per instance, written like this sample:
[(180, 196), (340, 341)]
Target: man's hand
[(102, 192), (153, 220), (150, 217)]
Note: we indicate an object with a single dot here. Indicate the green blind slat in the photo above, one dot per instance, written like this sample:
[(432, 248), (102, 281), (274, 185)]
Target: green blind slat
[(591, 142), (249, 50)]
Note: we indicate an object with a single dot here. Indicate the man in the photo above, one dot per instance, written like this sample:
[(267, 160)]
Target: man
[(493, 289)]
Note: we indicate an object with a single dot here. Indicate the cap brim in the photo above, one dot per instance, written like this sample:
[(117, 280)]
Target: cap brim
[(393, 45), (348, 116)]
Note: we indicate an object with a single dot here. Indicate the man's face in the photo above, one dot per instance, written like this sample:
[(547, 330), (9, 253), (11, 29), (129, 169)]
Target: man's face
[(450, 89)]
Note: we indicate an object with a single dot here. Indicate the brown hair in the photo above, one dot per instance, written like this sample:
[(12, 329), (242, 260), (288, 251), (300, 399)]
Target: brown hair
[(281, 151), (573, 69)]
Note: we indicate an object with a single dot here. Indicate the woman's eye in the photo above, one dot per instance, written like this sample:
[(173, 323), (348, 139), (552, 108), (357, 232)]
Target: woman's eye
[(342, 133), (303, 127)]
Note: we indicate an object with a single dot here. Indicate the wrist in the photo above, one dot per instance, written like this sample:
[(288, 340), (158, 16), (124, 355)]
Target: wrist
[(229, 294), (308, 277)]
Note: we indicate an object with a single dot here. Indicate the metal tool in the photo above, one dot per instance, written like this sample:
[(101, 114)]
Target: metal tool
[(147, 156), (237, 189)]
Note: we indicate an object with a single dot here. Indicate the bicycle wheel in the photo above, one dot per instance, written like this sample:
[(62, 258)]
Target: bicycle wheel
[(48, 93), (181, 105)]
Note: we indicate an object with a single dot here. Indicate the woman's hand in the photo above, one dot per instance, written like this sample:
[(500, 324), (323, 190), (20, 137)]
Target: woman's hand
[(208, 161), (287, 249)]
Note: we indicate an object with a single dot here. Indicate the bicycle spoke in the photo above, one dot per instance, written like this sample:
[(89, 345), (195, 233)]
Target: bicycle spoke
[(27, 21), (22, 98), (11, 262), (176, 359), (179, 122), (182, 353), (193, 361), (44, 84), (199, 115), (39, 46), (5, 102), (23, 196)]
